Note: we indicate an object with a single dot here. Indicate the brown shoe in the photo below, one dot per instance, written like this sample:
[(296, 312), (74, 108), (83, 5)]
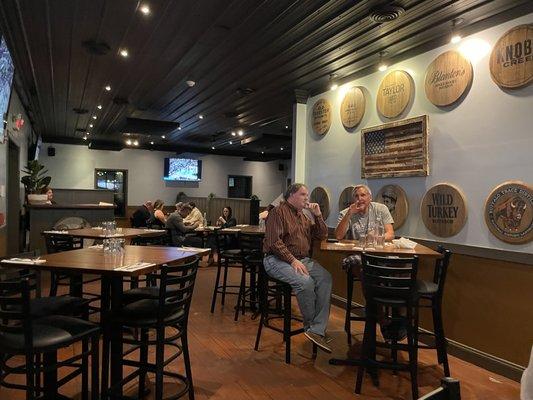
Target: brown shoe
[(318, 340), (328, 339)]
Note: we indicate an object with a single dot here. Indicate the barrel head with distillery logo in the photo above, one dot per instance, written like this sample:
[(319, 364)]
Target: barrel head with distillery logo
[(321, 117), (394, 93), (394, 197), (443, 210), (511, 60), (509, 212), (321, 196), (352, 107), (447, 78)]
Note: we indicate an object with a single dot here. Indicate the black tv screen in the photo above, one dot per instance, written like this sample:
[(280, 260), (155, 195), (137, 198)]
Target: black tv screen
[(6, 78), (183, 169)]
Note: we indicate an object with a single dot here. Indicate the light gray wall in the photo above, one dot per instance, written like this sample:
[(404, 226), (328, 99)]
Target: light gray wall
[(73, 167), (483, 141)]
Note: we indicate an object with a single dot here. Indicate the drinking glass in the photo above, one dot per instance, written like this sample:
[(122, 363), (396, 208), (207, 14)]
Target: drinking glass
[(380, 241)]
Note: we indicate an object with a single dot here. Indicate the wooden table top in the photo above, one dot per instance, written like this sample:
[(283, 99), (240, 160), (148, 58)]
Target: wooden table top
[(353, 246), (248, 229), (96, 233), (93, 260)]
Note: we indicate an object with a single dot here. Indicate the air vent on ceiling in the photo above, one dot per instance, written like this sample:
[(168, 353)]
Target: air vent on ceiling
[(385, 13), (120, 101), (80, 110), (245, 91), (96, 48)]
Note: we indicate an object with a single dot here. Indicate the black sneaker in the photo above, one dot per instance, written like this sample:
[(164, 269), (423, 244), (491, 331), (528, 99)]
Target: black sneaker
[(394, 331), (320, 341)]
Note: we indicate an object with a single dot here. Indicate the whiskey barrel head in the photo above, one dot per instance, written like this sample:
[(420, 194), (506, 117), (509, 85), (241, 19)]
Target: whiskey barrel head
[(345, 199), (447, 78), (352, 107), (394, 197), (394, 93), (509, 212), (443, 210), (321, 196), (321, 117), (511, 60)]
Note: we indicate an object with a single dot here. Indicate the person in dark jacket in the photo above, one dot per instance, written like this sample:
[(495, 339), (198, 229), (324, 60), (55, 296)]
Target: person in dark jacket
[(226, 220), (178, 229), (141, 216)]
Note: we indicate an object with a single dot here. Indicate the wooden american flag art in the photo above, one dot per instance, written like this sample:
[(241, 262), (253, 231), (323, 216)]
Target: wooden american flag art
[(395, 149)]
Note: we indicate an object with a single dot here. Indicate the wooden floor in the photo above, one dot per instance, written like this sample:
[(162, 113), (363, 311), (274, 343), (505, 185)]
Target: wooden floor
[(225, 366)]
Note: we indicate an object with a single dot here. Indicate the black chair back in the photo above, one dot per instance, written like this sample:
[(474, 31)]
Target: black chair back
[(176, 287), (441, 269), (389, 279), (15, 317), (17, 274)]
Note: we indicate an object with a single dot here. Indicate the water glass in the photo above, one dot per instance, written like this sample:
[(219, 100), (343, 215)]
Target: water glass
[(380, 241)]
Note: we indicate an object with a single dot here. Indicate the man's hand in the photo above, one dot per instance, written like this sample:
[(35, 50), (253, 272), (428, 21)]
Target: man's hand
[(299, 267), (355, 209), (315, 209)]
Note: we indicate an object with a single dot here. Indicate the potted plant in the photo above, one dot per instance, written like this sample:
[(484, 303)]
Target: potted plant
[(35, 182)]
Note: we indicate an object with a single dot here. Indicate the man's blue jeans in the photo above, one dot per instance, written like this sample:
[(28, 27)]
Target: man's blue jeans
[(313, 291)]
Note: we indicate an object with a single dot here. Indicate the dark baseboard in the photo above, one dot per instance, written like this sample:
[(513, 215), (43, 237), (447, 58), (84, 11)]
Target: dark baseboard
[(469, 354)]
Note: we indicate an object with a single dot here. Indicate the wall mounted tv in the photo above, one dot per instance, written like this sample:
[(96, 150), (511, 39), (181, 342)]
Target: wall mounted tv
[(6, 78), (183, 169)]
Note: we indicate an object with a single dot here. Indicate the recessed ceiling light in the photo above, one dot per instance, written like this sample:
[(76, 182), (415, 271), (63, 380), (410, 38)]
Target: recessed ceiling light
[(382, 67), (233, 133), (455, 39), (262, 152), (145, 9), (128, 142), (162, 136), (201, 116), (108, 88), (281, 148), (90, 125), (99, 106), (179, 128), (85, 138), (87, 133), (95, 117), (286, 126), (241, 132), (190, 83), (151, 142), (124, 53), (135, 142), (230, 142), (212, 147), (333, 87)]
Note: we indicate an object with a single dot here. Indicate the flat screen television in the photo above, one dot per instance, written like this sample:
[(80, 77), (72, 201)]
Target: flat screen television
[(183, 169), (6, 79)]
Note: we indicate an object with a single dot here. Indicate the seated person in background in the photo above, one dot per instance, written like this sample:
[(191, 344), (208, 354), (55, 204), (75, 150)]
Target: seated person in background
[(195, 217), (158, 219), (226, 220), (141, 216), (362, 213), (178, 229), (50, 195)]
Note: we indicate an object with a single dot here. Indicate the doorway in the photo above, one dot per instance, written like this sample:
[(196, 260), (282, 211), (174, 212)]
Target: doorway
[(239, 186), (115, 180), (13, 198)]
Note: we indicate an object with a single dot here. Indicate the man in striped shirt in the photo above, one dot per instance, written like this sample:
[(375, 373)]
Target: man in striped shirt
[(288, 241)]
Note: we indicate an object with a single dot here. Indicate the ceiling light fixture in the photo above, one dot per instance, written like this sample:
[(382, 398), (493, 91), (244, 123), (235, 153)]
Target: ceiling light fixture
[(230, 142), (241, 132), (332, 84), (233, 133), (151, 142), (95, 117), (190, 83), (262, 152), (99, 106), (145, 9), (135, 142), (201, 116), (281, 148), (163, 137), (85, 138), (128, 142), (179, 128), (90, 125), (87, 133), (124, 53), (382, 65), (212, 147), (108, 88), (286, 126), (455, 36)]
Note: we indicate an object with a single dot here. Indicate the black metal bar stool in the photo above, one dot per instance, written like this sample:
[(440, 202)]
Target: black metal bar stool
[(251, 260), (274, 290), (353, 276)]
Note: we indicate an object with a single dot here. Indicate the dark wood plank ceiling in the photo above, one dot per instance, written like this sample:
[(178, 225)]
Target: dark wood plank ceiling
[(246, 57)]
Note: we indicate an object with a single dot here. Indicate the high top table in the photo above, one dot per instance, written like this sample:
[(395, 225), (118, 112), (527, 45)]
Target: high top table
[(94, 261), (98, 233)]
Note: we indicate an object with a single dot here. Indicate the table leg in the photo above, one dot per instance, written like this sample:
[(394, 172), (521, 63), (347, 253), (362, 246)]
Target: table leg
[(76, 285), (105, 324), (116, 337)]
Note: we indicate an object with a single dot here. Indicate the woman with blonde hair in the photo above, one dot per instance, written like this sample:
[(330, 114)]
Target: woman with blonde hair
[(158, 219)]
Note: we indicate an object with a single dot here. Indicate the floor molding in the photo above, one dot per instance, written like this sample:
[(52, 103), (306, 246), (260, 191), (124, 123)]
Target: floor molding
[(469, 354)]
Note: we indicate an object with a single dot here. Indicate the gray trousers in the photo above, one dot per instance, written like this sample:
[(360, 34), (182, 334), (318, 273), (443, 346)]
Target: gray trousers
[(313, 291)]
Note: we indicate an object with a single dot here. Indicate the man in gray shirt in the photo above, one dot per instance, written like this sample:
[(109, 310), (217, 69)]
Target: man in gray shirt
[(178, 229), (362, 214)]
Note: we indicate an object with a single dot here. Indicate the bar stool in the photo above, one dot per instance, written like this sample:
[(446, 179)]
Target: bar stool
[(227, 258), (280, 292), (21, 333), (390, 283), (167, 306), (353, 275), (431, 294), (448, 390), (251, 260)]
